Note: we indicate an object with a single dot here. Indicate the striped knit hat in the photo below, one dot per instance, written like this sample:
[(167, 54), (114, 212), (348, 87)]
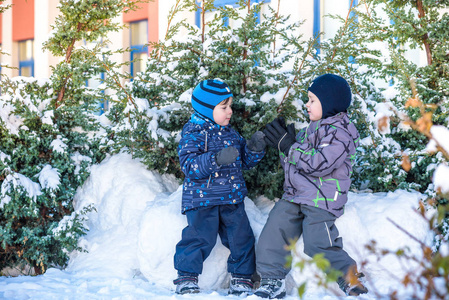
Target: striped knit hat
[(207, 94)]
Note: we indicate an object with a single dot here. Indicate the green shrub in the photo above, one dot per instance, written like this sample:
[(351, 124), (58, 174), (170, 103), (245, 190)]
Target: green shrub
[(50, 136)]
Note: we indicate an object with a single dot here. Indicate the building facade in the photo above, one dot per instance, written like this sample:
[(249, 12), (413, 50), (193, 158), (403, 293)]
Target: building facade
[(27, 24)]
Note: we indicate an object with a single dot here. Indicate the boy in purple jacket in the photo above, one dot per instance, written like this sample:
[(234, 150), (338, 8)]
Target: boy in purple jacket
[(317, 166)]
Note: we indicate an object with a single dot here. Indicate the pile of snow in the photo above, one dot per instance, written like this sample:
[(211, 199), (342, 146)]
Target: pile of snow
[(138, 221)]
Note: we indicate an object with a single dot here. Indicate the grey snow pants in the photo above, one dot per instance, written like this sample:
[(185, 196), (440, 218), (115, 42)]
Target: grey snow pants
[(287, 221)]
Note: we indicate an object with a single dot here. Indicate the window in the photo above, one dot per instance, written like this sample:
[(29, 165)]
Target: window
[(26, 58), (219, 3), (139, 48), (323, 23), (317, 22)]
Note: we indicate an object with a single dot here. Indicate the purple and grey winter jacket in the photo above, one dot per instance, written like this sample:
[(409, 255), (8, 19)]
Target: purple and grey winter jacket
[(206, 183), (319, 165)]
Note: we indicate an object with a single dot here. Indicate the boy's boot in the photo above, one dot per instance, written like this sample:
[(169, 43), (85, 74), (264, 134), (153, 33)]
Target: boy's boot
[(271, 288), (187, 285), (239, 286), (353, 287)]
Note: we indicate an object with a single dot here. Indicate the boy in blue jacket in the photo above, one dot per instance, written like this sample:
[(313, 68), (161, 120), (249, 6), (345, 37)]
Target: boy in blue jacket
[(317, 166), (212, 155)]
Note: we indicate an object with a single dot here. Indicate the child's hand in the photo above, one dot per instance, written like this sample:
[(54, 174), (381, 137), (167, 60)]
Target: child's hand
[(226, 156), (279, 136), (257, 142)]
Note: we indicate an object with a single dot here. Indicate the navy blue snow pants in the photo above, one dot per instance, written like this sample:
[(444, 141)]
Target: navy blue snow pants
[(231, 223)]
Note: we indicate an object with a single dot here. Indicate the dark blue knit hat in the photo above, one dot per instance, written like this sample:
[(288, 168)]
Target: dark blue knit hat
[(334, 93), (207, 94)]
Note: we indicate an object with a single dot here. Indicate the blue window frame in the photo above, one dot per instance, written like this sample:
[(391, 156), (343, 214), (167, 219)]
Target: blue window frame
[(26, 58), (317, 23), (220, 3), (317, 19), (139, 46), (353, 3)]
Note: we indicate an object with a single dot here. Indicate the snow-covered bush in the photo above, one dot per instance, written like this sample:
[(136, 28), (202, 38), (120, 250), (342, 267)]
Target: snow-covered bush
[(397, 28), (45, 155), (50, 136)]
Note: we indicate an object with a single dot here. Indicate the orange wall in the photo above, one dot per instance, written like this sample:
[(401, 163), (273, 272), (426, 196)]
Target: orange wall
[(150, 12), (136, 15), (22, 19), (153, 21), (1, 15)]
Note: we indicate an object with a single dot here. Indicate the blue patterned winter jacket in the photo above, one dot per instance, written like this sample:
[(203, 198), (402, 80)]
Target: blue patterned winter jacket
[(206, 183)]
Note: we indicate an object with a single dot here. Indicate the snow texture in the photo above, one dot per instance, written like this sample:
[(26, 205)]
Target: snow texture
[(137, 223)]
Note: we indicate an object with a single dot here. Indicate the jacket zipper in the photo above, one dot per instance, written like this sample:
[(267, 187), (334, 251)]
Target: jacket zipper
[(205, 150), (288, 172)]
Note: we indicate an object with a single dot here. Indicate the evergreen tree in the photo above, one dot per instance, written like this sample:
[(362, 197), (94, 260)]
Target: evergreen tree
[(50, 135), (395, 28)]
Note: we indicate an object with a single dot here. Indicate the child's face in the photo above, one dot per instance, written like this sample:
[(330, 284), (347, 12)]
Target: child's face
[(222, 112), (314, 107)]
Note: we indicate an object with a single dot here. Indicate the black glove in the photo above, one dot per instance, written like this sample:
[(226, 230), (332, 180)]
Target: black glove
[(257, 142), (279, 136), (226, 156)]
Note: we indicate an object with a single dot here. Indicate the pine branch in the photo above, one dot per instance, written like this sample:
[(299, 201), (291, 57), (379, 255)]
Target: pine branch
[(425, 38), (203, 24), (68, 58), (171, 16), (345, 26), (306, 54)]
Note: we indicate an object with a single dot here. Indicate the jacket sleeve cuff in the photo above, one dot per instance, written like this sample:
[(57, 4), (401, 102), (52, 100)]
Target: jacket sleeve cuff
[(214, 165)]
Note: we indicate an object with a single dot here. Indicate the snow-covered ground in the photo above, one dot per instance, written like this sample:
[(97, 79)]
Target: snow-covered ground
[(137, 223)]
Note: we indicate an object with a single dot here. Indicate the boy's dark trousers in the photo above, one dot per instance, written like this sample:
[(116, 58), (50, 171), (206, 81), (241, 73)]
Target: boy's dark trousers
[(286, 222), (231, 223)]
